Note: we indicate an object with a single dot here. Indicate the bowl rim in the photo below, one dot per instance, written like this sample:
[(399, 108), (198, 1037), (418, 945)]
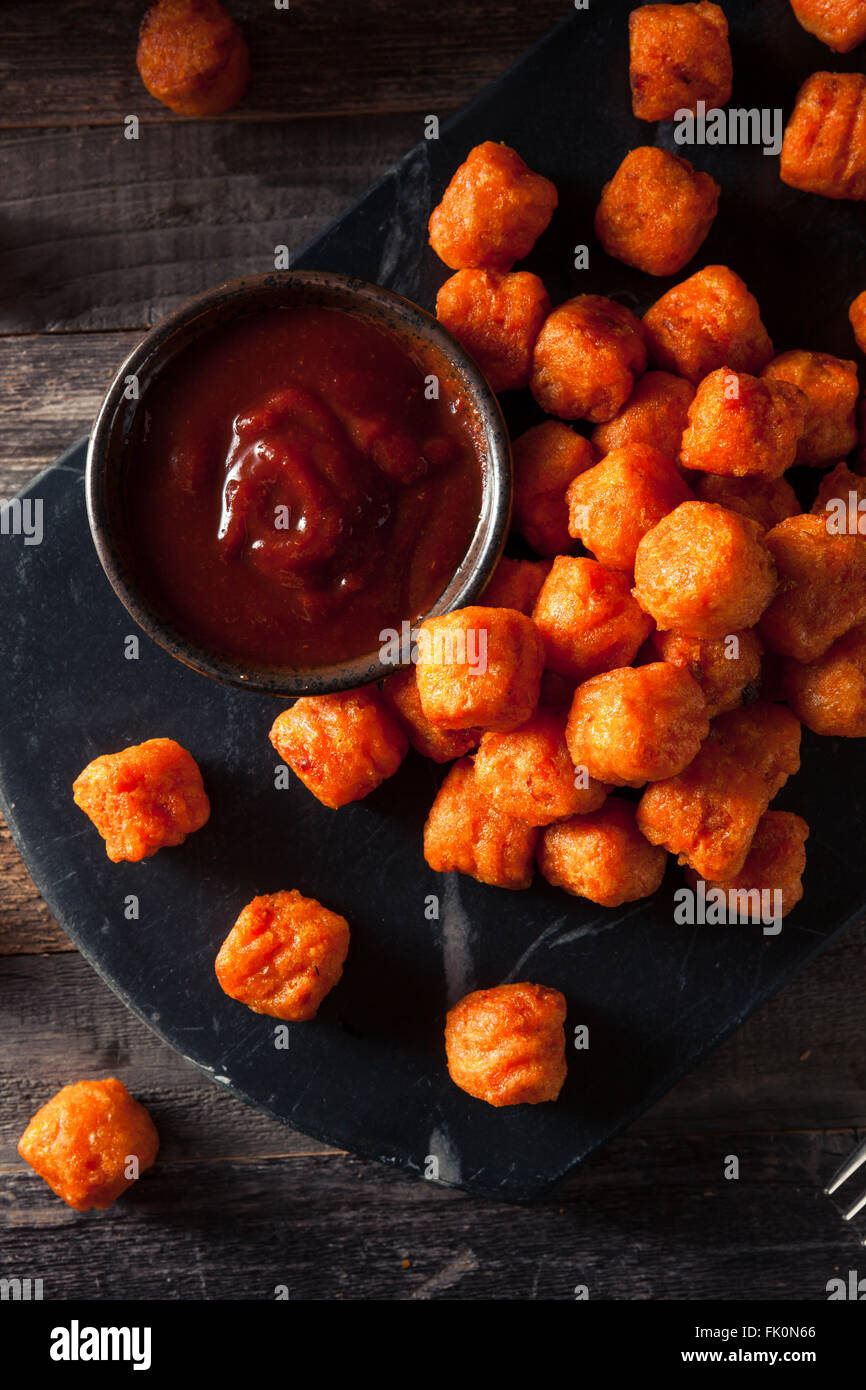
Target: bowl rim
[(194, 318)]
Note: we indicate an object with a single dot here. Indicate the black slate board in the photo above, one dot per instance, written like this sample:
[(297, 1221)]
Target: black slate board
[(369, 1074)]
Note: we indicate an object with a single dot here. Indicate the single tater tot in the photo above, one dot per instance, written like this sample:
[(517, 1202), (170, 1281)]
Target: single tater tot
[(766, 500), (516, 584), (764, 737), (284, 953), (602, 856), (829, 694), (742, 426), (529, 774), (614, 504), (83, 1140), (588, 619), (400, 693), (492, 212), (706, 322), (774, 865), (192, 57), (506, 1045), (704, 570), (656, 211), (834, 498), (497, 318), (680, 55), (587, 358), (857, 315), (637, 724), (547, 459), (467, 834), (143, 798), (725, 668), (824, 147), (840, 24), (822, 587), (479, 668), (831, 388), (655, 413), (342, 746)]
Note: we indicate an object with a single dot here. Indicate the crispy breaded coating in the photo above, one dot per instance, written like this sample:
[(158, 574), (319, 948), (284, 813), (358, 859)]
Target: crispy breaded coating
[(547, 458), (824, 148), (506, 1045), (680, 55), (706, 322), (492, 212), (143, 798), (765, 500), (588, 619), (656, 211), (726, 668), (497, 318), (829, 693), (342, 746), (764, 737), (775, 863), (602, 856), (822, 587), (479, 668), (192, 57), (467, 834), (529, 773), (834, 496), (743, 426), (655, 413), (400, 693), (613, 505), (831, 388), (284, 953), (587, 358), (840, 24), (516, 584)]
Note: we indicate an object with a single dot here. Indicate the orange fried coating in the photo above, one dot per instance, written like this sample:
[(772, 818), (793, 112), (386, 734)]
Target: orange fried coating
[(829, 693), (588, 619), (400, 693), (192, 57), (283, 955), (467, 834), (342, 746), (680, 55), (830, 386), (824, 148), (529, 773), (90, 1143), (834, 498), (840, 24), (507, 1045), (726, 668), (656, 211), (492, 212), (602, 856), (708, 321), (587, 358), (857, 315), (743, 426), (766, 500), (547, 459), (516, 584), (144, 798), (479, 668), (655, 413), (497, 318), (704, 570), (614, 504), (775, 863), (763, 737), (822, 587)]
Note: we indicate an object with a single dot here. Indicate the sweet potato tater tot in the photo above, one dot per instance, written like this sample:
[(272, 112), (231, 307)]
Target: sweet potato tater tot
[(833, 496), (507, 1045), (822, 587), (830, 386), (400, 693), (602, 856), (857, 315), (763, 737), (840, 24), (142, 799), (725, 668), (588, 619), (497, 318), (614, 504), (341, 746), (680, 55), (829, 694), (655, 413), (82, 1142), (516, 584), (824, 148), (656, 211), (547, 459), (766, 500), (637, 724), (492, 212), (775, 863), (479, 668), (283, 955), (704, 570), (467, 834), (587, 358), (192, 57), (529, 773), (742, 426), (708, 321)]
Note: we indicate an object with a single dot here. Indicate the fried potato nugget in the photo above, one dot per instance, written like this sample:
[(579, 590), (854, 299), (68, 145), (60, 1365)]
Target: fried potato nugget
[(840, 24), (704, 570), (497, 318), (587, 358), (706, 322), (547, 459), (143, 798), (824, 147), (516, 584), (725, 668), (479, 668), (775, 864), (742, 426), (492, 212), (680, 55), (765, 500), (192, 57), (764, 737), (602, 856), (833, 496), (400, 693), (822, 587), (655, 413), (83, 1142), (588, 619), (613, 505), (831, 388), (829, 694), (529, 773), (507, 1045), (857, 315), (656, 211), (283, 955), (467, 834), (342, 746)]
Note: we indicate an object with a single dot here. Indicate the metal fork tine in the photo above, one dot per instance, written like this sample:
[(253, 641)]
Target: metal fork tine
[(850, 1166)]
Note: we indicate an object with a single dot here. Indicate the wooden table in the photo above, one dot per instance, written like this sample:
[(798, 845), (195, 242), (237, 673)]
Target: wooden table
[(99, 236)]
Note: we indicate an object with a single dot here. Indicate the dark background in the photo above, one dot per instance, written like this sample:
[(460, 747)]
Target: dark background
[(99, 236)]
